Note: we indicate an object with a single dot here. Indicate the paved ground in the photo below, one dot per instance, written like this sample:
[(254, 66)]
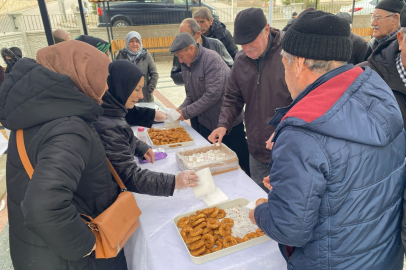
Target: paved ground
[(168, 94)]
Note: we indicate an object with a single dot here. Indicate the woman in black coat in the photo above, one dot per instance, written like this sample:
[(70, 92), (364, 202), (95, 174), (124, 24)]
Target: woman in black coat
[(125, 84), (55, 102)]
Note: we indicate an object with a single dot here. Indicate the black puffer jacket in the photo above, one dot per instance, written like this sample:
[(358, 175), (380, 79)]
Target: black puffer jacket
[(71, 174), (121, 145), (218, 30)]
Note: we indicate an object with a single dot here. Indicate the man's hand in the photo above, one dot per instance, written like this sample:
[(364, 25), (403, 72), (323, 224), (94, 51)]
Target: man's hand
[(252, 212), (266, 182), (181, 118), (217, 135), (269, 144), (149, 155)]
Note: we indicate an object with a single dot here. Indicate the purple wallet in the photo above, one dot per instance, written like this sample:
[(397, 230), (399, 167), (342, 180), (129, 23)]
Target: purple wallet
[(159, 154)]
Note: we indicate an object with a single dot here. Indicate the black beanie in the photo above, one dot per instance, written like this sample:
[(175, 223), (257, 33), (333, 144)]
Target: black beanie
[(248, 24), (319, 35), (123, 78), (98, 43), (403, 17), (391, 5)]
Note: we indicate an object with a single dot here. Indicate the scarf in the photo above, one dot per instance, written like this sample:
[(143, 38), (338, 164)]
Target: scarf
[(123, 78), (133, 56), (85, 65)]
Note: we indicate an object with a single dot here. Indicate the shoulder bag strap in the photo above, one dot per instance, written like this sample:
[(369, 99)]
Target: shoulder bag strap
[(23, 153), (30, 170)]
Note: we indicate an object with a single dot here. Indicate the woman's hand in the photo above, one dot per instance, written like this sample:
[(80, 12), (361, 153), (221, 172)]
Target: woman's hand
[(186, 179), (149, 155), (160, 116), (93, 249)]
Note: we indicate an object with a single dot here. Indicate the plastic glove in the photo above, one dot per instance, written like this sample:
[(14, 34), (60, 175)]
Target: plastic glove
[(160, 116), (186, 179)]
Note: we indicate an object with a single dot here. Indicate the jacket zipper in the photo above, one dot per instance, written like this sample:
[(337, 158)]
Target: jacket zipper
[(259, 75)]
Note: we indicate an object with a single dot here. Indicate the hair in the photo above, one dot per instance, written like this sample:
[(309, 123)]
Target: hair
[(319, 66), (193, 25), (203, 12), (403, 30)]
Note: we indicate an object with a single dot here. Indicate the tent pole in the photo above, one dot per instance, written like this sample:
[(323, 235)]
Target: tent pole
[(45, 20)]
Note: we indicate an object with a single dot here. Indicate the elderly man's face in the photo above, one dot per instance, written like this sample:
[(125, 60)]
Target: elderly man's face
[(402, 47), (384, 23), (185, 27), (290, 77), (187, 56), (255, 48), (204, 25)]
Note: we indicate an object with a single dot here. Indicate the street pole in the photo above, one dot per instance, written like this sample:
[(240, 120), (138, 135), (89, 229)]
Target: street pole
[(352, 15), (45, 20), (270, 12)]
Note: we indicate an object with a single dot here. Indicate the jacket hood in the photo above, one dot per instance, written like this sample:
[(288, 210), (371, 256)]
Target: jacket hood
[(383, 60), (112, 107), (32, 95), (355, 105)]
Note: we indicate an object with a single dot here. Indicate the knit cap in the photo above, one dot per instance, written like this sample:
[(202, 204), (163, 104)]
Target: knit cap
[(391, 5), (319, 35)]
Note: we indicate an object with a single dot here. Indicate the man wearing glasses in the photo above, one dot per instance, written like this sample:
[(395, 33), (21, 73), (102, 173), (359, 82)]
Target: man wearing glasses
[(386, 23)]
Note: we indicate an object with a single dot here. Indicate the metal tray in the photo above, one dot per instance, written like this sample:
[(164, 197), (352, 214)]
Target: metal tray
[(223, 252), (172, 145)]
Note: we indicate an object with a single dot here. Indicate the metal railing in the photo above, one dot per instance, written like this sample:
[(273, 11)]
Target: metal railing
[(34, 22), (229, 14), (7, 24)]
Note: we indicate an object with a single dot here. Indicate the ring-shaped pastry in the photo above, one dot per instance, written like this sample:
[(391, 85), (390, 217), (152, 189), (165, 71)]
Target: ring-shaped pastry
[(224, 230), (229, 241), (196, 245), (208, 240), (250, 236), (215, 212), (213, 223), (228, 221), (199, 251), (218, 246), (183, 222), (192, 239), (197, 222), (221, 214)]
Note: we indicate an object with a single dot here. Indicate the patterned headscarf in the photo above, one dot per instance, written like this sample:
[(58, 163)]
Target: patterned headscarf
[(133, 56)]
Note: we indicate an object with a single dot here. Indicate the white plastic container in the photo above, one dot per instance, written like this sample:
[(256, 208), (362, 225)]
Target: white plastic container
[(142, 134)]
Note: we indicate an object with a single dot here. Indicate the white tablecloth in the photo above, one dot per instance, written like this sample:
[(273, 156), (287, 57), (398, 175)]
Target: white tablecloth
[(157, 245)]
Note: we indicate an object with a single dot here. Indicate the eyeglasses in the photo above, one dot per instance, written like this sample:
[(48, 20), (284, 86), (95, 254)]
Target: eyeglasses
[(379, 18)]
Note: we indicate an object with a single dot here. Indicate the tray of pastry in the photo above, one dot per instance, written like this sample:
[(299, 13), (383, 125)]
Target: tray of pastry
[(169, 137), (219, 159), (218, 231)]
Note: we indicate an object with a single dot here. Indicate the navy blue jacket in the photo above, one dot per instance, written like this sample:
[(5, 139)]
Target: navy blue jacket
[(338, 174)]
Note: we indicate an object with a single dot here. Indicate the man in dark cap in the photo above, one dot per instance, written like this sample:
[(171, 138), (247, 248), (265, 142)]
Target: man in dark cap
[(385, 22), (338, 161), (98, 43), (359, 44), (389, 60), (192, 27), (257, 81), (205, 75), (290, 22)]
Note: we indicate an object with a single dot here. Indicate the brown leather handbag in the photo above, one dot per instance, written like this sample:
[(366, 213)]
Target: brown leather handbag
[(115, 225)]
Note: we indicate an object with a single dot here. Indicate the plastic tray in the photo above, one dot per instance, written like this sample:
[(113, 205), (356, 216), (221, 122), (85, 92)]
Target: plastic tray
[(216, 167), (223, 252), (172, 145)]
